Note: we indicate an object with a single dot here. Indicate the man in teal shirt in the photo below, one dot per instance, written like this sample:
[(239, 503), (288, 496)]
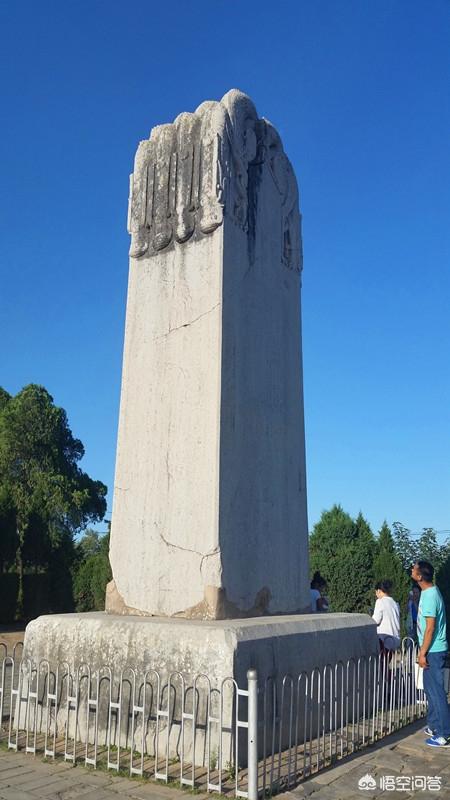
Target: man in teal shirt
[(432, 636)]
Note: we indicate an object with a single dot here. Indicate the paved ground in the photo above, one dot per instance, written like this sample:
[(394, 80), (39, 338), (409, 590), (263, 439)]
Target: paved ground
[(397, 759), (24, 777), (395, 762)]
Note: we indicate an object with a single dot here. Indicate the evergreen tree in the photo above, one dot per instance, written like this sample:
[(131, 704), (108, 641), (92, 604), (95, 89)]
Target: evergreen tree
[(343, 550), (387, 565), (4, 398), (8, 536), (92, 573)]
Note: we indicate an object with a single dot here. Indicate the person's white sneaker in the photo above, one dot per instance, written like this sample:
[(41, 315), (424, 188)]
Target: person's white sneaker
[(437, 741)]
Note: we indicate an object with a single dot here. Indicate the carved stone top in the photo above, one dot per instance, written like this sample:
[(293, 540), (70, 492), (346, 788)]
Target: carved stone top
[(192, 172)]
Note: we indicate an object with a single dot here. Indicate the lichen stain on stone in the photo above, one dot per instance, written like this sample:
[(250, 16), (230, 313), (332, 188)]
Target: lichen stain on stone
[(115, 604), (215, 605)]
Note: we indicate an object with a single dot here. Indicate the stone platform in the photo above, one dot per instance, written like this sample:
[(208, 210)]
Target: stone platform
[(173, 652), (273, 646)]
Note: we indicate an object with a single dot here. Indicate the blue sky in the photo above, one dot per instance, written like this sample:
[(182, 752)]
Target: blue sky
[(359, 91)]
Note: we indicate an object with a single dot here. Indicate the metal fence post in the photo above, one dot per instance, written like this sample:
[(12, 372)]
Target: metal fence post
[(252, 754)]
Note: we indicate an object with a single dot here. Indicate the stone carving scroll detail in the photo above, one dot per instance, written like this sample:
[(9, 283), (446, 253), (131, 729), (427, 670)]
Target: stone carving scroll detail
[(191, 172)]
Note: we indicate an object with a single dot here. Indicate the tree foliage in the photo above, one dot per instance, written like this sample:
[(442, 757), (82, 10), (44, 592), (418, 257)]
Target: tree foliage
[(352, 560), (44, 494), (404, 546), (4, 398), (8, 537), (430, 550), (426, 547), (343, 550), (92, 572), (388, 566)]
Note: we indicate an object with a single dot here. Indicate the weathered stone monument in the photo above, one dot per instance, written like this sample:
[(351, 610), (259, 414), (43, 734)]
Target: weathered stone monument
[(209, 526), (209, 517)]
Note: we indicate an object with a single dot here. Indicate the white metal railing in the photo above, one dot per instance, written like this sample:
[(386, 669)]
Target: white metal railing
[(261, 738), (309, 721)]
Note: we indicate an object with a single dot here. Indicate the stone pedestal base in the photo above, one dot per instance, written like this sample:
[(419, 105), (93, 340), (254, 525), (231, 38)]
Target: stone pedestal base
[(219, 649), (153, 667)]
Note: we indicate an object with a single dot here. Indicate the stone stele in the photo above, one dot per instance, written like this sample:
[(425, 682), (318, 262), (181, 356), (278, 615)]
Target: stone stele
[(209, 518)]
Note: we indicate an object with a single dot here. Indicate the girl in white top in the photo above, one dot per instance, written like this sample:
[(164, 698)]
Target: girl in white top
[(387, 616)]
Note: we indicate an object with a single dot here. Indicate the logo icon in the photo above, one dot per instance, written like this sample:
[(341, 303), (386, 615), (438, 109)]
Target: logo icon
[(367, 782)]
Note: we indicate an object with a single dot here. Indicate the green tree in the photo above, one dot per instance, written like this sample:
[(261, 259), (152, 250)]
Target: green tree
[(4, 398), (428, 548), (50, 495), (343, 550), (8, 538), (8, 542), (93, 572), (388, 566), (90, 544), (404, 546), (60, 563)]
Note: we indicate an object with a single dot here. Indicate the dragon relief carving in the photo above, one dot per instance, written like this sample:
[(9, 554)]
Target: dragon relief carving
[(191, 172)]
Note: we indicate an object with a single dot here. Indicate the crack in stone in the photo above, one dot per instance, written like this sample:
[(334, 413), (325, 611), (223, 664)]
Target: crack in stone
[(208, 555), (188, 550), (186, 324)]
